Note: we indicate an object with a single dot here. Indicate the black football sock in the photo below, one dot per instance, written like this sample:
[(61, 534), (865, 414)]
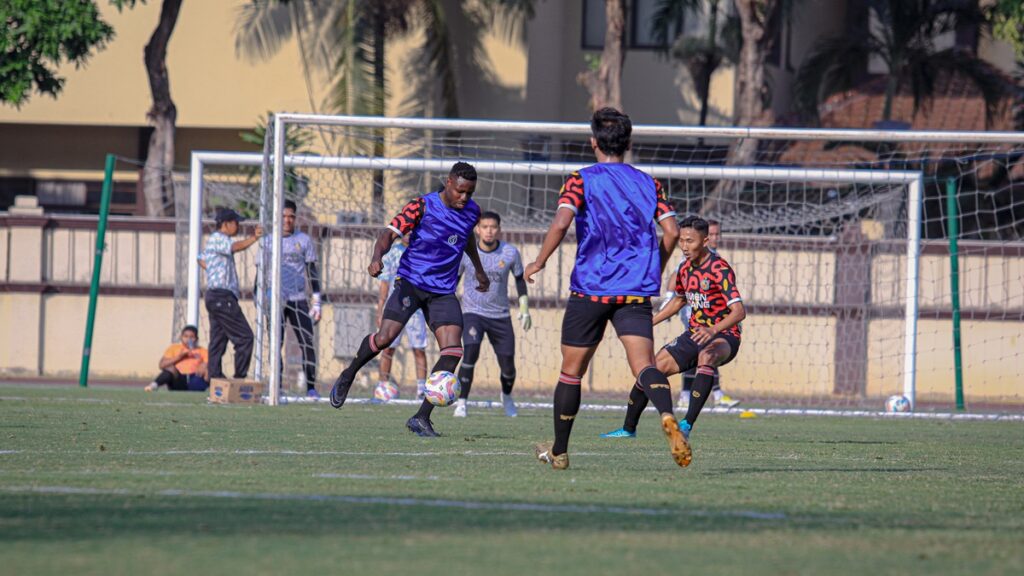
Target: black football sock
[(701, 390), (656, 387), (368, 350), (465, 379), (635, 407), (567, 405)]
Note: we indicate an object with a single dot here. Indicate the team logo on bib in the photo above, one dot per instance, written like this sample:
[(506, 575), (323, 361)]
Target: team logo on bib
[(453, 240)]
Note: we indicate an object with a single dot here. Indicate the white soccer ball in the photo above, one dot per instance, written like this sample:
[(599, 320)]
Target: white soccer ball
[(442, 388), (897, 403)]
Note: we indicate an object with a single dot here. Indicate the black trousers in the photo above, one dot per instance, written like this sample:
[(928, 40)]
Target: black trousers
[(179, 381), (296, 313), (228, 323)]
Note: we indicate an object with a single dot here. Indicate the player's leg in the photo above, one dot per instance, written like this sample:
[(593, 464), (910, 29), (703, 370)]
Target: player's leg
[(417, 338), (400, 306), (303, 329), (218, 338), (238, 332), (718, 352), (444, 315), (583, 326), (638, 400), (472, 338), (503, 339), (633, 325)]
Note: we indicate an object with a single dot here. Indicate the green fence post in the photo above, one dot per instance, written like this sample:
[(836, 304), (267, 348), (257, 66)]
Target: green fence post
[(953, 229), (97, 265)]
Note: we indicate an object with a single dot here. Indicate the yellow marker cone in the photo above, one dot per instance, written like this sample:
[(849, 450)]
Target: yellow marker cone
[(748, 414)]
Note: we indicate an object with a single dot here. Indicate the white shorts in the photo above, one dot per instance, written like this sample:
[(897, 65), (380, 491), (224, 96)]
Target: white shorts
[(415, 333)]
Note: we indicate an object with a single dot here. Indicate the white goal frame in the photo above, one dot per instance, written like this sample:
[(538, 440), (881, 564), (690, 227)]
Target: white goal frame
[(912, 179)]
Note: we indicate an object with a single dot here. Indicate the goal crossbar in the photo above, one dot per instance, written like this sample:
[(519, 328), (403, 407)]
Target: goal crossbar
[(913, 180)]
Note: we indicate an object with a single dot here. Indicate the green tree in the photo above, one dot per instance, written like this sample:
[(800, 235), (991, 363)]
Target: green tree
[(701, 55), (1008, 23), (346, 41), (905, 40), (38, 36)]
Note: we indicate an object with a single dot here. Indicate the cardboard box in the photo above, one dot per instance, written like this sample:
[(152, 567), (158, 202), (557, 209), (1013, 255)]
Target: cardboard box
[(235, 391)]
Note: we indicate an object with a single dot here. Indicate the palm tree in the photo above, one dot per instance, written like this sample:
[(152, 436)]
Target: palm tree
[(701, 55), (345, 41), (905, 39)]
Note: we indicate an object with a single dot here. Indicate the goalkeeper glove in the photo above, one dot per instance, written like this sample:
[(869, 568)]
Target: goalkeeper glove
[(524, 312), (315, 310)]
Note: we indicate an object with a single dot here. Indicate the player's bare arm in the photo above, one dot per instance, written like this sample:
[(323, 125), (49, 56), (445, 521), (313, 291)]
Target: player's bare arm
[(244, 244), (704, 334), (483, 283), (384, 241), (669, 239), (670, 310), (556, 233)]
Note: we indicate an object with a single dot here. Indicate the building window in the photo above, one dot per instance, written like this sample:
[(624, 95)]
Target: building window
[(638, 25)]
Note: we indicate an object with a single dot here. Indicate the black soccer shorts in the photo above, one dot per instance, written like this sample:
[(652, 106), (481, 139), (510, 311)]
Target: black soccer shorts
[(586, 318), (685, 351), (438, 309), (498, 330)]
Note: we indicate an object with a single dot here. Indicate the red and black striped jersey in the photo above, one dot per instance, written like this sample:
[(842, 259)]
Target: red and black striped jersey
[(710, 289)]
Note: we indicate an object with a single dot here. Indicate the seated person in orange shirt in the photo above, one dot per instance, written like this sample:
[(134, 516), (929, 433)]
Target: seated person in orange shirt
[(183, 366)]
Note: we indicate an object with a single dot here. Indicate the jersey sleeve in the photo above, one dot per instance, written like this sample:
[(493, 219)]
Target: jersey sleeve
[(664, 209), (216, 244), (517, 263), (729, 288), (171, 351), (309, 250), (571, 196), (410, 216), (680, 277)]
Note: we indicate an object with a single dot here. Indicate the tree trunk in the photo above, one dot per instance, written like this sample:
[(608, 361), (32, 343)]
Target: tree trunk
[(759, 20), (605, 83), (157, 183), (377, 210)]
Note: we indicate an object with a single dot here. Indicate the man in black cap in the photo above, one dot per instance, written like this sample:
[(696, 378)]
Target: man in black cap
[(226, 319)]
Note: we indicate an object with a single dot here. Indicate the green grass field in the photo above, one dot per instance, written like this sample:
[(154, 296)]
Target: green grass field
[(107, 481)]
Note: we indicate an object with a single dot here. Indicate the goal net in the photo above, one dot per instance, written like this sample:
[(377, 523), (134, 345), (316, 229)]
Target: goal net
[(838, 245)]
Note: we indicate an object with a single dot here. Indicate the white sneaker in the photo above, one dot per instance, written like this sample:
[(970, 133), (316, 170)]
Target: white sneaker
[(724, 400), (152, 387), (684, 401), (460, 408), (509, 404)]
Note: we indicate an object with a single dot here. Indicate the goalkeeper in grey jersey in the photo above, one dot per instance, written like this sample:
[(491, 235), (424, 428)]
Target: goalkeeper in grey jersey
[(487, 313)]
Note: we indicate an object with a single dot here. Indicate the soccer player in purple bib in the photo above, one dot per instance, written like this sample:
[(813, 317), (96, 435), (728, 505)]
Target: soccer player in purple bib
[(441, 227), (619, 262)]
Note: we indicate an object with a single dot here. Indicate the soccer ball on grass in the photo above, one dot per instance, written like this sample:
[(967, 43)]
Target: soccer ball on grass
[(442, 388), (897, 403)]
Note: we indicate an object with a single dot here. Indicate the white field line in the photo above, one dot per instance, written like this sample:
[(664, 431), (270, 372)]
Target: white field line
[(405, 502), (334, 475), (494, 405)]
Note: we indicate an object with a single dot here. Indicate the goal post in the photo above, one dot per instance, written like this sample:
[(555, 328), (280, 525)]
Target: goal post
[(828, 242)]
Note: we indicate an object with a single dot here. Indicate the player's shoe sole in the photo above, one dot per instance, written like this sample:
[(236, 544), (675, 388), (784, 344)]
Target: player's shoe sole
[(677, 443), (543, 453), (339, 392)]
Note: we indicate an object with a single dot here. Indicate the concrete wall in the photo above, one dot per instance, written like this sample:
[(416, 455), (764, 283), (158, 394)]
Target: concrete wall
[(789, 341)]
